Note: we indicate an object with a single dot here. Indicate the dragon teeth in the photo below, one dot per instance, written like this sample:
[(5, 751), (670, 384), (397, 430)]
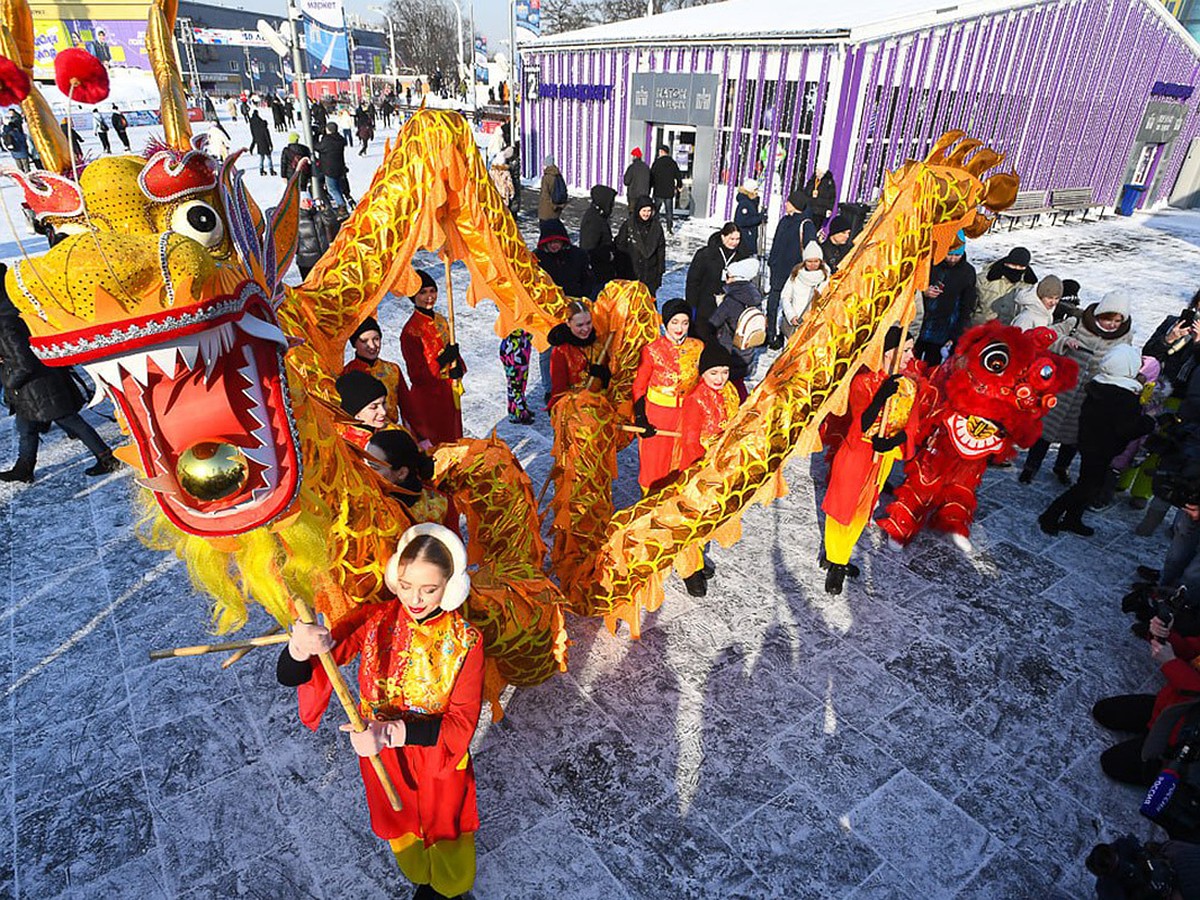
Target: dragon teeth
[(165, 358)]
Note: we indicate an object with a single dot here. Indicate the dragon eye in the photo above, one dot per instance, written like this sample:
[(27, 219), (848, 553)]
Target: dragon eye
[(994, 357), (199, 221), (1046, 372)]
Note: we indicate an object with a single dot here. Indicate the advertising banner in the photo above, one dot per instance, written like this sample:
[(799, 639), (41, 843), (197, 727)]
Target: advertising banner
[(370, 60), (325, 38), (529, 15), (114, 43), (229, 37)]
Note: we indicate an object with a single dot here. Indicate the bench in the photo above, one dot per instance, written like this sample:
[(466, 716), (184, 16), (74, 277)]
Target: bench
[(1028, 205), (1069, 200)]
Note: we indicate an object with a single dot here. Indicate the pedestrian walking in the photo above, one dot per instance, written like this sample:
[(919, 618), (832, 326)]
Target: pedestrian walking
[(331, 161), (748, 217), (665, 182), (552, 193), (121, 126), (260, 142), (364, 126), (641, 238), (637, 178), (100, 126)]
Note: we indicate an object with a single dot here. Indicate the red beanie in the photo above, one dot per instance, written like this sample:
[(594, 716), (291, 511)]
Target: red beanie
[(637, 151)]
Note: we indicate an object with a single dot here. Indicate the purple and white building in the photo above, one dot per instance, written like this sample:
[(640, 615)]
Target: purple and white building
[(1077, 93)]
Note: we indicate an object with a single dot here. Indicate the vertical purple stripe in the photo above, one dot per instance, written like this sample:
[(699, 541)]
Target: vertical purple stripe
[(963, 84), (948, 77), (1037, 133), (789, 173), (902, 148), (879, 122), (1032, 88), (947, 40), (736, 136), (999, 62), (623, 131), (781, 83), (967, 108), (716, 179), (752, 139), (852, 106), (814, 141)]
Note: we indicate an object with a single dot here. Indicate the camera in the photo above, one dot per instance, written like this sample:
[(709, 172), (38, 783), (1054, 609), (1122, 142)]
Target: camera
[(1187, 318), (1172, 606), (1135, 870), (1177, 443)]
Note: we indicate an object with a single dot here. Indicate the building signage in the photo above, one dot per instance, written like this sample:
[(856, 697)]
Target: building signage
[(1162, 122), (1174, 91), (673, 99), (575, 91), (230, 37)]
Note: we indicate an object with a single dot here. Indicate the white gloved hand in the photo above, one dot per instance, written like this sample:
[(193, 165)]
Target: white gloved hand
[(307, 641), (376, 736)]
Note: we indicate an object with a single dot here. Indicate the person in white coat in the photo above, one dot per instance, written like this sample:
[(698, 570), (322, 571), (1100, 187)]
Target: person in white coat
[(1037, 310), (808, 278)]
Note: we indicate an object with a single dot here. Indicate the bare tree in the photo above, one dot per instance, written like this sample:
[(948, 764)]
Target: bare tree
[(567, 15), (426, 36)]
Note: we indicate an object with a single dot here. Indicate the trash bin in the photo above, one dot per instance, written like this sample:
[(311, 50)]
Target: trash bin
[(1130, 195)]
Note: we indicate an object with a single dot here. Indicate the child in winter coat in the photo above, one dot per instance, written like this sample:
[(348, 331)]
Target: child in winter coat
[(1111, 416), (740, 295), (1086, 340), (1037, 310), (806, 281), (1132, 476)]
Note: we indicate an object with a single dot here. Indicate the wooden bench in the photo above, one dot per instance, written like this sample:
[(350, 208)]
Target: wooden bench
[(1070, 200), (1028, 205)]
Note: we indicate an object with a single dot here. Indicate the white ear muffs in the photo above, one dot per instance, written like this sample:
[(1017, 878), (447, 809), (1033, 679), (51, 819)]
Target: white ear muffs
[(459, 585)]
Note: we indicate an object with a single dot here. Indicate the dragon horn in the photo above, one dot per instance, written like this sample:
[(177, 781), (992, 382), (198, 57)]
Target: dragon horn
[(1001, 191), (16, 42), (985, 159), (160, 48), (959, 156), (938, 151)]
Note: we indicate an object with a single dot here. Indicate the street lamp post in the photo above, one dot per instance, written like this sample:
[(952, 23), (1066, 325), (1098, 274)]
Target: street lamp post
[(458, 19), (391, 37)]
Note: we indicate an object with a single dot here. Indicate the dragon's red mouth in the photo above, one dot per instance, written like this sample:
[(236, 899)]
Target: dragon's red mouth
[(190, 380)]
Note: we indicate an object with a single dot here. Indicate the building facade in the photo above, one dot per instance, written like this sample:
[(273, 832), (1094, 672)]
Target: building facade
[(1077, 94)]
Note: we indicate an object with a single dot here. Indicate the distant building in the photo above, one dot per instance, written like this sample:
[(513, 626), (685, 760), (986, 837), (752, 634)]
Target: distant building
[(1077, 94)]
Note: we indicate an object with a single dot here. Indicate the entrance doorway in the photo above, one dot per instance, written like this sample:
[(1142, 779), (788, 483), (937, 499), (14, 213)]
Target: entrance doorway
[(681, 140)]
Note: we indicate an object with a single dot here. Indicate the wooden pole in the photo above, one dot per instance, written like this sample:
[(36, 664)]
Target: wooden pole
[(637, 429), (545, 487), (592, 382), (305, 614), (450, 321), (266, 640), (241, 654)]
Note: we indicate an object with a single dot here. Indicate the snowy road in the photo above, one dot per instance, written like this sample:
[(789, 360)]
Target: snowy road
[(925, 735)]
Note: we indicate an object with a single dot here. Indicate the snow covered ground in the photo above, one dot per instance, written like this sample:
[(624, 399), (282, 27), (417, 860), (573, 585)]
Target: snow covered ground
[(924, 735)]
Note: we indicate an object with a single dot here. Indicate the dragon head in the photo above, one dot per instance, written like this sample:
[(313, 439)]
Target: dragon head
[(163, 281), (1008, 377)]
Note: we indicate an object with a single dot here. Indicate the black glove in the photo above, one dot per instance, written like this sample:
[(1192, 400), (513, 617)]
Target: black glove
[(448, 355), (640, 420), (457, 371), (871, 413), (602, 372), (883, 445)]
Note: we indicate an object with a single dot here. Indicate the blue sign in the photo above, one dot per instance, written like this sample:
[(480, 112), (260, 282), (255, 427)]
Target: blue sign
[(328, 52), (575, 92), (529, 15), (1175, 91)]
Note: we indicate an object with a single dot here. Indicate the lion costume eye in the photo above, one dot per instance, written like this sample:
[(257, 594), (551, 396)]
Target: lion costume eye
[(994, 357), (199, 221)]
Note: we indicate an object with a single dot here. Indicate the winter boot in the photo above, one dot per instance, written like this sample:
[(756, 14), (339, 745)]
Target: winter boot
[(696, 584), (18, 473), (1146, 573), (1048, 525), (835, 577), (1063, 476), (103, 466), (1076, 526), (1026, 476)]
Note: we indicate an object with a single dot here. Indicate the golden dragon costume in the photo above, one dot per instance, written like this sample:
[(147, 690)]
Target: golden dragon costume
[(168, 288)]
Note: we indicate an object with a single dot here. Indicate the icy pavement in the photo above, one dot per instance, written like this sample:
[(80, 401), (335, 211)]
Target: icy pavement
[(925, 735)]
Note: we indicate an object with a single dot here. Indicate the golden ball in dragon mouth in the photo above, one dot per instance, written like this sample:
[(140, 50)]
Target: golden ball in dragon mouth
[(212, 471)]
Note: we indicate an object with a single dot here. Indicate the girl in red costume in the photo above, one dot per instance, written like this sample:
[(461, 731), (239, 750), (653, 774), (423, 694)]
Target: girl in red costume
[(883, 426), (421, 681), (367, 340), (706, 410), (666, 373), (573, 351), (434, 364)]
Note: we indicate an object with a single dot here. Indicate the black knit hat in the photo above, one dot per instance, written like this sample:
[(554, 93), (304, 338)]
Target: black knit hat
[(401, 452), (426, 280), (838, 224), (1070, 287), (714, 355), (674, 307), (1018, 256), (553, 230), (798, 198), (357, 389), (367, 324), (641, 203)]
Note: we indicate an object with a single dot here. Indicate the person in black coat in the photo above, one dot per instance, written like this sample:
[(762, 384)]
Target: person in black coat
[(706, 275), (835, 247), (39, 395), (331, 162), (567, 266), (364, 127), (748, 216), (665, 182), (641, 237), (319, 117), (821, 195), (792, 235), (637, 179), (1110, 418), (595, 230), (1175, 343), (947, 304), (289, 158), (260, 142)]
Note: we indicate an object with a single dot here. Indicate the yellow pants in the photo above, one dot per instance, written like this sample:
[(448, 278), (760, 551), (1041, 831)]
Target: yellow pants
[(448, 866), (840, 537)]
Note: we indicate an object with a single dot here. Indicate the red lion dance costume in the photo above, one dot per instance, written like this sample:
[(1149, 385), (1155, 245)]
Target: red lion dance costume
[(994, 392)]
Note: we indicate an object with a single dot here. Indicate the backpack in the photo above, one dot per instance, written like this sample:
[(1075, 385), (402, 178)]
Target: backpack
[(9, 140), (558, 191), (751, 329), (119, 122)]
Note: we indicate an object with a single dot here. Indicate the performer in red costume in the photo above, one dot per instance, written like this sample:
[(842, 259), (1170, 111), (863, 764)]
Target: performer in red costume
[(367, 340), (993, 393), (706, 410), (884, 424), (666, 373), (420, 675), (574, 357), (434, 364)]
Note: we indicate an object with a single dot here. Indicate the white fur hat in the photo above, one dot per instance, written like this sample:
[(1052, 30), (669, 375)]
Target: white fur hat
[(813, 251)]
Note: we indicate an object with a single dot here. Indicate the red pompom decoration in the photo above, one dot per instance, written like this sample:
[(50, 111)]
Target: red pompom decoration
[(80, 76), (14, 83)]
